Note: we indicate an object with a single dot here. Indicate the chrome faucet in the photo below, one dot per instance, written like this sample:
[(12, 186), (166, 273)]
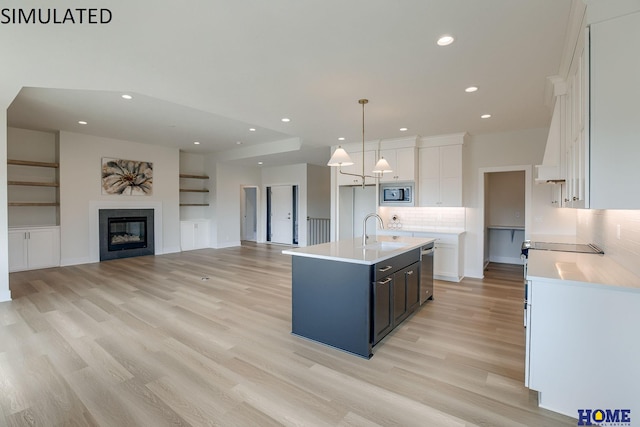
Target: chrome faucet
[(364, 227)]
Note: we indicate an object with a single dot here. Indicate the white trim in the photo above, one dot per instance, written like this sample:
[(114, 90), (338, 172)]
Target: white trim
[(94, 238), (5, 295), (229, 245)]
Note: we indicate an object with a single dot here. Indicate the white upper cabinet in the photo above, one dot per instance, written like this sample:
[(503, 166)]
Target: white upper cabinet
[(403, 163), (615, 120), (441, 176), (356, 168)]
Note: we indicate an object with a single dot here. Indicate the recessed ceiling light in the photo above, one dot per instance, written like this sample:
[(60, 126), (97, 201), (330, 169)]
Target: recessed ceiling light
[(125, 96), (471, 89), (403, 129), (196, 142), (445, 40), (286, 119), (485, 116), (238, 142), (341, 138), (82, 122), (260, 163), (252, 129)]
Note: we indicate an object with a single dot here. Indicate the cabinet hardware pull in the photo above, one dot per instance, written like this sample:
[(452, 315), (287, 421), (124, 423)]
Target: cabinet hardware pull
[(387, 268), (385, 281), (409, 273)]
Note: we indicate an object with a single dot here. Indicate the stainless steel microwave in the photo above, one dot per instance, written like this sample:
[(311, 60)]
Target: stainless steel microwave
[(397, 194)]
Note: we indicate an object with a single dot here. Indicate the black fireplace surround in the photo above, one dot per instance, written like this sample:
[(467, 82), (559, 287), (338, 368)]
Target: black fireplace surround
[(125, 233)]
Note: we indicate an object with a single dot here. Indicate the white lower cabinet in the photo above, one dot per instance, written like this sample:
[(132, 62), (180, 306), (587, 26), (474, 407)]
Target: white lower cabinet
[(582, 345), (194, 234), (448, 257), (34, 247)]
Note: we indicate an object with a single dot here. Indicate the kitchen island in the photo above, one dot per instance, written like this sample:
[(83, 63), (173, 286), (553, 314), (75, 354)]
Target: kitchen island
[(349, 295)]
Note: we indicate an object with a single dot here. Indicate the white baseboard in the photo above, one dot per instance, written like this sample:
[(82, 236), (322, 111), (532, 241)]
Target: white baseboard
[(77, 261), (506, 260), (228, 245), (5, 296)]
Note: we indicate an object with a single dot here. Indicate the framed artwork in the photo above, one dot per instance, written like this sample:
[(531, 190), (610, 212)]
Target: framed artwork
[(126, 177)]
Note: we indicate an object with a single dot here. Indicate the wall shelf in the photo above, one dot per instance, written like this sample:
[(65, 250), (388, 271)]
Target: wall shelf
[(31, 163), (33, 204), (194, 204), (193, 190), (184, 175), (34, 184)]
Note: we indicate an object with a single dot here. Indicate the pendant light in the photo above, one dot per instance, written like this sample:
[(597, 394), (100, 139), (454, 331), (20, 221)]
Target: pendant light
[(341, 158)]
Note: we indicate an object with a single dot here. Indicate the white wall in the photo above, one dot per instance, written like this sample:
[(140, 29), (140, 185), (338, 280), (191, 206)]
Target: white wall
[(229, 180), (500, 150), (5, 294), (80, 185), (319, 191), (601, 228)]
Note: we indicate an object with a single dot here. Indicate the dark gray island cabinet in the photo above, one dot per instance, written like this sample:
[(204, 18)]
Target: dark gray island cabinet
[(349, 296)]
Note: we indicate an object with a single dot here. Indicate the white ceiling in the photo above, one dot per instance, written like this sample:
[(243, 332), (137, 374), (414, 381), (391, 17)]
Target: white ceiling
[(209, 70)]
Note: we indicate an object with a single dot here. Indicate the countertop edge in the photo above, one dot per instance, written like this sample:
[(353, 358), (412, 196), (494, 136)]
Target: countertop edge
[(418, 242)]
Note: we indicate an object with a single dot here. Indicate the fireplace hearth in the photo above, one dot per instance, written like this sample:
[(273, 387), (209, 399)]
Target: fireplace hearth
[(125, 233)]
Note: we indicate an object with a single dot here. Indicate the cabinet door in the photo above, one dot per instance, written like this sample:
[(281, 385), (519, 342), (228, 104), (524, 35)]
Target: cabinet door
[(451, 175), (402, 162), (399, 296), (412, 280), (356, 168), (382, 298), (43, 248), (445, 261), (201, 235), (17, 250), (429, 176), (614, 126), (187, 236)]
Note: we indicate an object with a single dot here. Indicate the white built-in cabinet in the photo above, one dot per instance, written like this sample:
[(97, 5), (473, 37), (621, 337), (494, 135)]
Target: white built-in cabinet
[(440, 182), (194, 234), (595, 119), (34, 247), (403, 162), (356, 168), (614, 113)]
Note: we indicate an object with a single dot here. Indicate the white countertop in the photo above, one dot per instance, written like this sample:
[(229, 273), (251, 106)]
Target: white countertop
[(351, 250), (580, 268), (428, 230)]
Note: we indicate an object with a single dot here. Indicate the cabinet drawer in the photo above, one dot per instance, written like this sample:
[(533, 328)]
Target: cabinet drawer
[(391, 265)]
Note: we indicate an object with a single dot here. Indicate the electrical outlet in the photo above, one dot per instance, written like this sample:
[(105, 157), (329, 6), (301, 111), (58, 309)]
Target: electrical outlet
[(517, 214), (618, 231)]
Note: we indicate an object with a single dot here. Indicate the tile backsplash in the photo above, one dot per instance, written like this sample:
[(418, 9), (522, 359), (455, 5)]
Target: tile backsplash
[(616, 231), (423, 218)]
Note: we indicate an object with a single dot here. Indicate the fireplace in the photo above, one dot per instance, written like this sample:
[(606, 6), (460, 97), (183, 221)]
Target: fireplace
[(125, 233)]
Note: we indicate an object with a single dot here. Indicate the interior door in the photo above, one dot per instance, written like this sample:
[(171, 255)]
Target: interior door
[(282, 214)]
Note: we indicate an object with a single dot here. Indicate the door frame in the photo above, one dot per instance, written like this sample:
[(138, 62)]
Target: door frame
[(295, 212), (482, 183)]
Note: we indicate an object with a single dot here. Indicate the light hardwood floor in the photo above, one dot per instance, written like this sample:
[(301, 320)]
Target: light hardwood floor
[(203, 338)]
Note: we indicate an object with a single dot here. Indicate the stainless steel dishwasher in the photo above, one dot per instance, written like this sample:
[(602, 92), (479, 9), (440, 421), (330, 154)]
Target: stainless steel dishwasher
[(426, 272)]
